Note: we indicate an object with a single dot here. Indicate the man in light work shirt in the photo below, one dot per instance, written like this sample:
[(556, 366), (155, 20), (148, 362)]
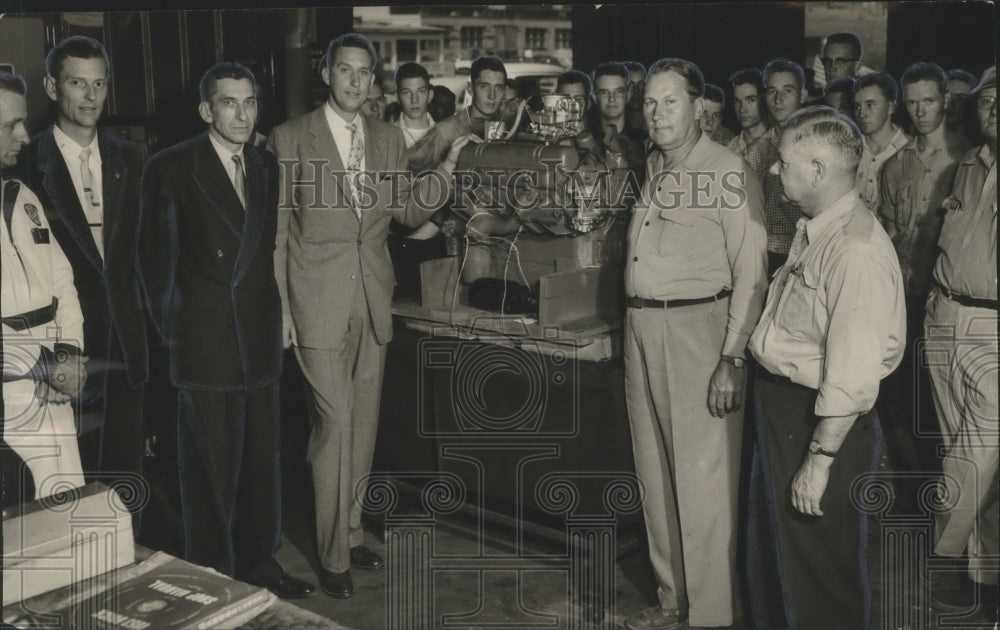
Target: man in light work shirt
[(875, 98), (832, 328), (917, 179), (961, 333), (784, 84), (912, 187), (695, 284)]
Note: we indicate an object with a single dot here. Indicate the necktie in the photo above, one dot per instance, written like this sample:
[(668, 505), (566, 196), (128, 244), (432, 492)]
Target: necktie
[(92, 203), (239, 181), (798, 243), (88, 178), (354, 163)]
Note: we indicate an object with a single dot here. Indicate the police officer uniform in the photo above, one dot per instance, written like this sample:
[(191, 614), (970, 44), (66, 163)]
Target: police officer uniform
[(41, 320)]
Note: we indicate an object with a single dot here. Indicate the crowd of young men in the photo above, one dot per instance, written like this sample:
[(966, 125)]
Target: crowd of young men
[(797, 263)]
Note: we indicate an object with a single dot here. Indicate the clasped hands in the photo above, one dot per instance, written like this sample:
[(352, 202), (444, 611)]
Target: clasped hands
[(60, 376)]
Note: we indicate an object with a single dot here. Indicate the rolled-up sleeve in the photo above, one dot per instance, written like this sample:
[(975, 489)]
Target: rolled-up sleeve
[(746, 249), (861, 302)]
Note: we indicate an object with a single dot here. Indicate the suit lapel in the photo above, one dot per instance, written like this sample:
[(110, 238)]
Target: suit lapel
[(256, 211), (112, 178), (59, 188), (325, 148), (215, 185)]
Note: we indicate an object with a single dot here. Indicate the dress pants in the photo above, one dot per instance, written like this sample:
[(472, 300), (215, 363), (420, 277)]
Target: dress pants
[(688, 461), (963, 361), (820, 562), (228, 452), (344, 387)]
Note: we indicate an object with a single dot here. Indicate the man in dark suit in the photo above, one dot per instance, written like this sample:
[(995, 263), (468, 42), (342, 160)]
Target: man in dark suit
[(88, 183), (346, 177), (209, 208)]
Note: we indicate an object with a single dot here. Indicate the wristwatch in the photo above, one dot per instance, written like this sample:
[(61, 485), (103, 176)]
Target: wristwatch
[(737, 362), (817, 449)]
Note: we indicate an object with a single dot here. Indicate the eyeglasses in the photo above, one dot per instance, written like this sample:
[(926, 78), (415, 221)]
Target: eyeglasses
[(839, 62), (603, 95), (986, 102)]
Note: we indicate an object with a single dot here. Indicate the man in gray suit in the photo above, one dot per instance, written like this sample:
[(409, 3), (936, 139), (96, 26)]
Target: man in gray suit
[(344, 176)]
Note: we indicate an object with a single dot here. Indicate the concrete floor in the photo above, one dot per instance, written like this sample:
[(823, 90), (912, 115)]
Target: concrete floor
[(486, 577)]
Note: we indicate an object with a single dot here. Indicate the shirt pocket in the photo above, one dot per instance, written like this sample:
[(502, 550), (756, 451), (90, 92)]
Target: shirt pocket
[(799, 313), (677, 233)]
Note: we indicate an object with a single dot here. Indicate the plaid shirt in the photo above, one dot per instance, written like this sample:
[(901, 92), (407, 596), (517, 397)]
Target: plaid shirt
[(780, 215)]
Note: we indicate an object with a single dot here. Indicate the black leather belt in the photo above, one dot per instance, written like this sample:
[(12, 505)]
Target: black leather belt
[(767, 375), (37, 317), (965, 300), (637, 302)]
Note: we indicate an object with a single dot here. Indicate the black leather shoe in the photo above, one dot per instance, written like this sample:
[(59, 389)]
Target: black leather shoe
[(276, 580), (364, 558), (339, 585)]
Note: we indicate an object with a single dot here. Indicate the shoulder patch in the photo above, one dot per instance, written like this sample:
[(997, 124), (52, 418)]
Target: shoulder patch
[(32, 212)]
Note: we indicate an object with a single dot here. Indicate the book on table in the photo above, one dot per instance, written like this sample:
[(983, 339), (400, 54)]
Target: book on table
[(161, 592)]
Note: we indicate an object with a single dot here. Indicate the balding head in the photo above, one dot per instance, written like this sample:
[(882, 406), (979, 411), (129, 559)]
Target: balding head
[(818, 157)]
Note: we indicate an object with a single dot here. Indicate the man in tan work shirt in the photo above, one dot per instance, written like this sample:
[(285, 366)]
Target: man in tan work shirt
[(875, 98), (695, 281), (912, 186), (961, 333), (832, 328)]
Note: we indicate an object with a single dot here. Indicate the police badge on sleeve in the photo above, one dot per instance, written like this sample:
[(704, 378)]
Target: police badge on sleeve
[(38, 233)]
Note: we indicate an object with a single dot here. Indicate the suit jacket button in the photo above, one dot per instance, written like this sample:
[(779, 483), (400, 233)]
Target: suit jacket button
[(219, 253)]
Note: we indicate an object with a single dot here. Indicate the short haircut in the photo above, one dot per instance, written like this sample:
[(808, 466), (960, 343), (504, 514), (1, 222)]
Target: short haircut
[(747, 76), (574, 77), (79, 46), (884, 81), (849, 38), (11, 82), (689, 70), (442, 93), (442, 103), (714, 93), (411, 70), (844, 85), (828, 127), (487, 62), (611, 69), (925, 71), (964, 76), (634, 65), (781, 64), (223, 70), (350, 40)]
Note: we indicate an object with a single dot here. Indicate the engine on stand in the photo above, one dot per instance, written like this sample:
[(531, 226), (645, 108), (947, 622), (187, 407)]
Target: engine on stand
[(538, 221)]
